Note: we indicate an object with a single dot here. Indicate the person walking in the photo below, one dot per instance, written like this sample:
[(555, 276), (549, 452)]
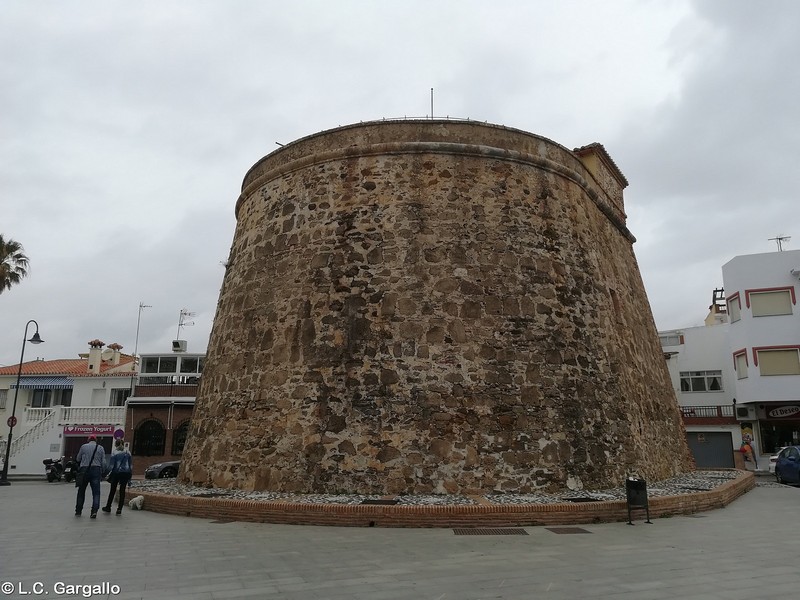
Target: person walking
[(121, 466), (91, 461)]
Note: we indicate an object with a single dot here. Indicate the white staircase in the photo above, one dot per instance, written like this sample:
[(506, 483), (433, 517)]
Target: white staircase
[(43, 428)]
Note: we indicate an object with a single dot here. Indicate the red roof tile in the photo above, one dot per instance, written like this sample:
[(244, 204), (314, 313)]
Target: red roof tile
[(73, 367)]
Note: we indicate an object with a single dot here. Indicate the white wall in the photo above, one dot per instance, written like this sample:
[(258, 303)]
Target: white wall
[(704, 349), (755, 271), (87, 392)]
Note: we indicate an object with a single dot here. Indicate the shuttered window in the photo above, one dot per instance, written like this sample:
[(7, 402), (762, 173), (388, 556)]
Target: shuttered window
[(779, 362), (734, 308), (769, 304), (741, 366)]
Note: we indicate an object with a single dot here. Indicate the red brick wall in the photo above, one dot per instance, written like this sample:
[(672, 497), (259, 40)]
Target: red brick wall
[(166, 390), (137, 413), (476, 515)]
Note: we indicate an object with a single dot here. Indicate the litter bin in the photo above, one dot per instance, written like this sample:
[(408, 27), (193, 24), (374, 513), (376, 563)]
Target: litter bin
[(636, 494)]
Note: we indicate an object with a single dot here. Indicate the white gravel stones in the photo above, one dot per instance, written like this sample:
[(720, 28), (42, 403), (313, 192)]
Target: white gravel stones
[(689, 483)]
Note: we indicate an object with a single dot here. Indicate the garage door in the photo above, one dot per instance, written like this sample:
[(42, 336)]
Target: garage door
[(711, 449)]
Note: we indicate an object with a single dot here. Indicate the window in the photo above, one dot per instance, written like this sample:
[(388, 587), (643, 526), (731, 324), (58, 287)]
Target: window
[(179, 438), (189, 364), (150, 364), (119, 395), (701, 381), (66, 398), (168, 364), (777, 361), (3, 398), (670, 339), (41, 399), (790, 453), (149, 438), (734, 307), (771, 303), (740, 360)]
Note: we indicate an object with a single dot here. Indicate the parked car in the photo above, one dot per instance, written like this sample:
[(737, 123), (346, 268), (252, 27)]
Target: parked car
[(163, 470), (787, 467), (773, 459)]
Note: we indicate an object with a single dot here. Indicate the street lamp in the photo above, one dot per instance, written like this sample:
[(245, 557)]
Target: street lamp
[(12, 420)]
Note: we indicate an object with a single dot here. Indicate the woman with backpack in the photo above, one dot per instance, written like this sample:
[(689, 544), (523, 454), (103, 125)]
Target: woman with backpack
[(121, 465)]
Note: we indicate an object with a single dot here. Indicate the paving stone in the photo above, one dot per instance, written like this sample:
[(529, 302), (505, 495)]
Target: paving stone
[(729, 554)]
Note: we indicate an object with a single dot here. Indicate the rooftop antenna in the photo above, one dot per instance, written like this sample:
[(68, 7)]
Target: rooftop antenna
[(182, 321), (142, 306), (779, 239), (431, 103)]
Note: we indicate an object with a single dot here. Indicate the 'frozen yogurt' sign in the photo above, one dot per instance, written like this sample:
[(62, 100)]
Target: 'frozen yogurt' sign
[(783, 411), (89, 429)]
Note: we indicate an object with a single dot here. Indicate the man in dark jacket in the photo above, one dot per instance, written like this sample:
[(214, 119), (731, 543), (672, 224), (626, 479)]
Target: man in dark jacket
[(91, 460)]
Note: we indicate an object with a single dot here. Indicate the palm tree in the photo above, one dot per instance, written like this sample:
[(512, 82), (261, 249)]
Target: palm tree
[(13, 263)]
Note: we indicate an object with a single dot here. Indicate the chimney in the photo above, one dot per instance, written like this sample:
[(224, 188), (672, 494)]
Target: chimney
[(116, 356), (95, 360)]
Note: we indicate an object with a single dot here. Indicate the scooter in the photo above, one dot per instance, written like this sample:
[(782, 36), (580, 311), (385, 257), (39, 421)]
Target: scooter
[(53, 469), (70, 470)]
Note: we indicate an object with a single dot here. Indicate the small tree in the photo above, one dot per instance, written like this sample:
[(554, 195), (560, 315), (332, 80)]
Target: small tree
[(13, 263)]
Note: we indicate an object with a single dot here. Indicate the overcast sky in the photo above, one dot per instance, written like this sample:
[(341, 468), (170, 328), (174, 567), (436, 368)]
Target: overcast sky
[(126, 130)]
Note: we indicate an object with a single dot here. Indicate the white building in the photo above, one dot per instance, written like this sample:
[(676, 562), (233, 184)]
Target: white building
[(705, 384), (60, 402), (739, 375), (764, 343), (159, 411)]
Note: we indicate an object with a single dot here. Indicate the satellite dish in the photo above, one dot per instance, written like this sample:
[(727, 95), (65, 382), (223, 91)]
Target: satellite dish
[(107, 354)]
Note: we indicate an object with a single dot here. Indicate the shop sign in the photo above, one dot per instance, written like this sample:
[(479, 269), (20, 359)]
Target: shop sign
[(783, 412), (89, 429)]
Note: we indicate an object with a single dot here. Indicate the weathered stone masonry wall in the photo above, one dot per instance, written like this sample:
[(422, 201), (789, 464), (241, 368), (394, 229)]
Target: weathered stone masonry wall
[(431, 307)]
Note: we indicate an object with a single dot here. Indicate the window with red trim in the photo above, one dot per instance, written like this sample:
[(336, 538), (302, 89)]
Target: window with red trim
[(740, 363), (770, 302), (734, 307), (778, 360)]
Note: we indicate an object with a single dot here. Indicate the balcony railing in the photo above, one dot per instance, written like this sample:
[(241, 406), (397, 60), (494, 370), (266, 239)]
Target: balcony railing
[(78, 415), (708, 412)]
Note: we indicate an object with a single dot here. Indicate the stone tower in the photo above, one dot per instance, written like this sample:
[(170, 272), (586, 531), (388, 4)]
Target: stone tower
[(432, 306)]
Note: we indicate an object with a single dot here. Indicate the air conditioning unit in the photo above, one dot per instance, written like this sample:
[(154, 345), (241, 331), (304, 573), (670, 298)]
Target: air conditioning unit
[(179, 345), (745, 413)]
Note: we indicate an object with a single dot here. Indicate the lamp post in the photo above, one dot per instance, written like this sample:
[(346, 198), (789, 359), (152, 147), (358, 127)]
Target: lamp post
[(35, 339)]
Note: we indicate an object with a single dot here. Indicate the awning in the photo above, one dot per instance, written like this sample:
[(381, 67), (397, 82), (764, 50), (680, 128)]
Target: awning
[(44, 383)]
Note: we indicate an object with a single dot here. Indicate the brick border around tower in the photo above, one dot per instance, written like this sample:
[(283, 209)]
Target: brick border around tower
[(444, 516)]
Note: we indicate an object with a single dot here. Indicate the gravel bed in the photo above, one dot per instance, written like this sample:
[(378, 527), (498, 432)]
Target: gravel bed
[(688, 483)]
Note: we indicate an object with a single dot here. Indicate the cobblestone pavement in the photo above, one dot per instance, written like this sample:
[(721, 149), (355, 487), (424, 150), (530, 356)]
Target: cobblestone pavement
[(738, 552)]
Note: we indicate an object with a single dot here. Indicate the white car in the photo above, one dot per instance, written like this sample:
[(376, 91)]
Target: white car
[(773, 459)]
